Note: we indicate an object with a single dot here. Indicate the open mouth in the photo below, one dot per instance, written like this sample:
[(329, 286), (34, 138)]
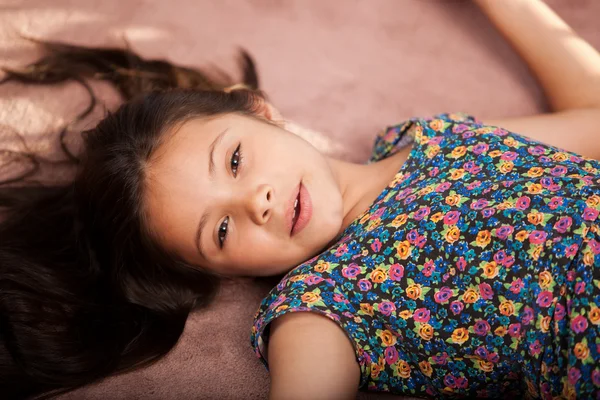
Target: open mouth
[(297, 209)]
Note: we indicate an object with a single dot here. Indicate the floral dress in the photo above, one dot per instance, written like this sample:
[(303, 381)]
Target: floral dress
[(475, 273)]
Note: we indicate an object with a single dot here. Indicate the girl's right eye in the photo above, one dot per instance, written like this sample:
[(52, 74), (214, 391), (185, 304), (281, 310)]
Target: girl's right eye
[(222, 234)]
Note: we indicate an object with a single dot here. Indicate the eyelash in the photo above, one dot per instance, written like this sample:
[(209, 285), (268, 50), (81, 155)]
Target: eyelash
[(235, 164)]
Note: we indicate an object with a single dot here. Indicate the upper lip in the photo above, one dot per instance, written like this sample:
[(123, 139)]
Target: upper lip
[(289, 213)]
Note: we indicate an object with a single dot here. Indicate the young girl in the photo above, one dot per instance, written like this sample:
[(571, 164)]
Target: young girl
[(462, 260)]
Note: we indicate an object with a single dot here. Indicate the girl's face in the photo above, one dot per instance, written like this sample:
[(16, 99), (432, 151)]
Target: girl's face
[(221, 194)]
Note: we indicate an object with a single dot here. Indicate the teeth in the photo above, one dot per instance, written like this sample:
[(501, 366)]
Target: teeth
[(295, 209)]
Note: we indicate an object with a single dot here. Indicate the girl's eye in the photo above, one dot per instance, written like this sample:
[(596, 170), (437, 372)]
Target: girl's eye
[(236, 160), (222, 234)]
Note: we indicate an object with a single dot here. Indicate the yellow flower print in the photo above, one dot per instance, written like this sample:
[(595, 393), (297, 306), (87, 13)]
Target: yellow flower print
[(507, 308), (458, 152), (470, 296), (403, 369), (593, 200), (581, 351), (534, 172), (387, 338), (535, 217), (485, 366), (426, 331), (535, 188), (425, 368), (311, 297), (500, 331), (545, 279), (483, 238), (594, 315), (457, 174), (453, 234), (545, 324), (281, 308), (413, 291), (560, 156), (460, 335), (403, 249), (495, 153), (506, 166), (509, 141), (437, 125), (405, 314), (522, 235), (399, 220), (536, 252), (437, 216), (378, 275), (490, 270), (366, 308), (321, 266), (453, 199), (298, 277), (588, 258)]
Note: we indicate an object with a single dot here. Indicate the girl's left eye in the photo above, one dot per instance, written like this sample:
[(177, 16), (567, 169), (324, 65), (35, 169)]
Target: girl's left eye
[(236, 160)]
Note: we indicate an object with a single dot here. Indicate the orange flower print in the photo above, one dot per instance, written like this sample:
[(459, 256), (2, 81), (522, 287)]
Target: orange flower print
[(470, 296), (403, 249), (507, 308), (452, 199), (483, 238), (453, 234), (593, 200), (399, 220), (425, 368), (457, 174), (545, 324), (535, 188), (366, 308), (495, 153), (506, 167), (500, 331), (535, 217), (460, 335), (560, 157), (522, 235), (534, 172), (437, 125), (490, 270), (485, 366), (581, 351), (413, 291), (405, 314), (311, 297), (426, 331), (458, 151), (378, 275), (545, 279), (403, 369), (594, 315), (437, 216), (387, 338), (322, 266)]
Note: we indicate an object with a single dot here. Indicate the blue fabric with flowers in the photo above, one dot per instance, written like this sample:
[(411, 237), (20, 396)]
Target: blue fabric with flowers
[(476, 272)]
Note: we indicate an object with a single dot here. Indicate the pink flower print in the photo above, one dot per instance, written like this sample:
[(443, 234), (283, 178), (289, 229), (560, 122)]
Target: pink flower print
[(493, 358), (509, 261), (545, 159), (535, 348), (480, 148), (516, 286), (376, 245), (391, 355), (579, 324), (574, 375), (554, 187), (279, 301), (547, 181), (341, 250), (410, 199), (504, 231), (396, 272), (442, 359), (514, 330), (451, 218), (558, 170), (428, 268), (473, 185), (522, 203), (555, 202), (579, 287), (443, 187), (460, 128), (538, 237), (563, 224), (421, 315), (536, 150), (590, 214), (412, 235), (481, 328), (479, 204), (313, 280), (421, 241), (527, 315), (436, 140), (571, 275), (509, 156), (559, 312), (338, 298), (486, 291), (500, 256), (422, 213), (364, 285), (595, 246), (471, 167), (456, 307), (443, 295), (596, 377), (461, 382), (378, 213), (461, 264), (481, 352), (351, 271), (544, 299), (488, 212), (450, 381), (434, 172), (386, 308)]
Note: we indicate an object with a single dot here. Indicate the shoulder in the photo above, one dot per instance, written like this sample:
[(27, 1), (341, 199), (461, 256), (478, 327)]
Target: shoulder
[(308, 347)]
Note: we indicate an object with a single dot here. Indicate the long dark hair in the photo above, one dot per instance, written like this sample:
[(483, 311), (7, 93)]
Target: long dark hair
[(85, 290)]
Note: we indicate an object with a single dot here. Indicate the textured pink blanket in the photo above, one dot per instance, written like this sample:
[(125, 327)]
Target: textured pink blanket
[(344, 68)]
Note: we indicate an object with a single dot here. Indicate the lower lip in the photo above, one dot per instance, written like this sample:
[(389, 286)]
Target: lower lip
[(305, 211)]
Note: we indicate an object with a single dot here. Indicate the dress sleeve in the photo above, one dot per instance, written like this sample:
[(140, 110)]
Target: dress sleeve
[(311, 293)]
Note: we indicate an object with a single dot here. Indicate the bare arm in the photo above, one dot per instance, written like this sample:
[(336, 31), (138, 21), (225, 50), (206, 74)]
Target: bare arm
[(310, 357), (567, 67)]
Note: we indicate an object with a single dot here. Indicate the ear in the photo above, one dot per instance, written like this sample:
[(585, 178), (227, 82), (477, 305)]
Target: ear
[(267, 111)]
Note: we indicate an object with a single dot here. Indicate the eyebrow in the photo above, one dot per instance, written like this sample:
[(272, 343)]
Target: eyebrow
[(211, 174)]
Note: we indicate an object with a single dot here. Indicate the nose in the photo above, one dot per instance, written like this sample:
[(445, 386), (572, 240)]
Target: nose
[(260, 204)]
